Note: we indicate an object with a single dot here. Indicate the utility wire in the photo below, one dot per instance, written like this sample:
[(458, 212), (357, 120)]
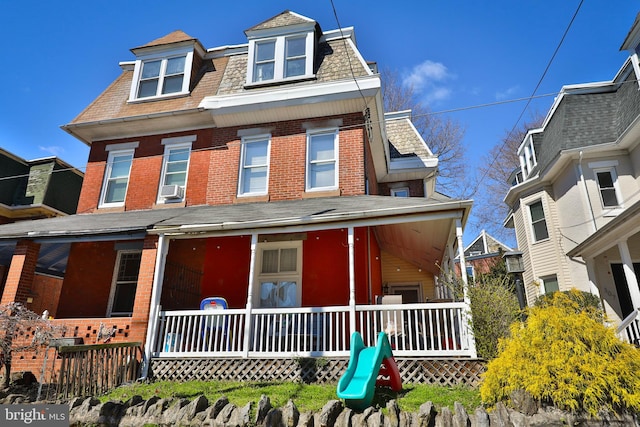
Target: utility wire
[(515, 125)]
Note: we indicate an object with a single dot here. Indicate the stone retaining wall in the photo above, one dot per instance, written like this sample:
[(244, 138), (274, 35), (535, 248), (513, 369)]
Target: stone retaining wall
[(200, 412)]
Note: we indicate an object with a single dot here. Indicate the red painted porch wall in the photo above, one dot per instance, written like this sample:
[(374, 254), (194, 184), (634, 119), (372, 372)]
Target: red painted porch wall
[(325, 271), (226, 269), (87, 282)]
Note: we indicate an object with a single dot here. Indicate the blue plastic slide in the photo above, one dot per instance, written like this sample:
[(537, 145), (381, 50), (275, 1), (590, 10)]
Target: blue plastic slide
[(357, 385)]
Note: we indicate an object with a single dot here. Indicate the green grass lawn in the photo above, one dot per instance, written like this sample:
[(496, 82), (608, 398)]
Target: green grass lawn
[(307, 397)]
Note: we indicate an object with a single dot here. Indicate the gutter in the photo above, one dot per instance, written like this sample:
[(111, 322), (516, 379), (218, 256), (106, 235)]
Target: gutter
[(69, 128)]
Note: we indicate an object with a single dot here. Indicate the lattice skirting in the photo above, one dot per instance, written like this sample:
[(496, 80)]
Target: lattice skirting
[(447, 372)]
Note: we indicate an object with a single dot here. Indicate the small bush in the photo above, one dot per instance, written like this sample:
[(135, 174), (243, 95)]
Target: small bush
[(565, 356), (494, 307)]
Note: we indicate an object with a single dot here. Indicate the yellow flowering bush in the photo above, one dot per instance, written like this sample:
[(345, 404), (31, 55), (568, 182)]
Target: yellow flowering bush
[(565, 356)]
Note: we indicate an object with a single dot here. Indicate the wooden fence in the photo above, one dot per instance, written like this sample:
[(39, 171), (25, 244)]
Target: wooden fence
[(90, 370)]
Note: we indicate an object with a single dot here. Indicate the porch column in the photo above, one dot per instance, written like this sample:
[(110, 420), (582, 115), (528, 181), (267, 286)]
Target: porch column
[(352, 283), (629, 274), (249, 307), (21, 272), (463, 264), (471, 339), (591, 273), (154, 309)]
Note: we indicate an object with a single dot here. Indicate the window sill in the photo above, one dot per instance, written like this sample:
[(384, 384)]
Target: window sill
[(111, 208), (612, 212), (309, 194), (163, 205), (249, 199), (158, 98), (276, 82)]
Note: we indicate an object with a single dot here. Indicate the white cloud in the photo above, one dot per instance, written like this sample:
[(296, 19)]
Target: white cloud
[(428, 79), (53, 150), (508, 93)]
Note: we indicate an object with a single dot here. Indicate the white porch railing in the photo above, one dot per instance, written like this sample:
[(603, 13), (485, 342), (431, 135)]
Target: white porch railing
[(426, 330), (629, 328)]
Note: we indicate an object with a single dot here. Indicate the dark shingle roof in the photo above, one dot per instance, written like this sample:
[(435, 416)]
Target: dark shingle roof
[(228, 217)]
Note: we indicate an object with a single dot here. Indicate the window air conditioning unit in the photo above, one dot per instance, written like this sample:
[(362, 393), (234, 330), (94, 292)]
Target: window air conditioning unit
[(171, 192)]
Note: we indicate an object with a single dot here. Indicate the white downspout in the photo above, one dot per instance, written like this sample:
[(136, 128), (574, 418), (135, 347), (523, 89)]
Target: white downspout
[(154, 309), (249, 307), (352, 283)]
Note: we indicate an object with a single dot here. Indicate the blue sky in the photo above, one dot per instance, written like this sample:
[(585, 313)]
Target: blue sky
[(59, 56)]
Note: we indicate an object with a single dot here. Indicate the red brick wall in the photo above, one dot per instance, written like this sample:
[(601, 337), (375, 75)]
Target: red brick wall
[(214, 165), (21, 272), (45, 292)]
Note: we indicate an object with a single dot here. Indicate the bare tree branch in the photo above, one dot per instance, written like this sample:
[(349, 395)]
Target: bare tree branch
[(442, 135)]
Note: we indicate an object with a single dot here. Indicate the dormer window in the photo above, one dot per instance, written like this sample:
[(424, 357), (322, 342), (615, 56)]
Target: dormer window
[(162, 77), (161, 73), (528, 158), (281, 58)]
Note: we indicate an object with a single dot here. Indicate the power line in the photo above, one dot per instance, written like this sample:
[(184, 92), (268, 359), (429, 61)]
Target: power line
[(515, 125)]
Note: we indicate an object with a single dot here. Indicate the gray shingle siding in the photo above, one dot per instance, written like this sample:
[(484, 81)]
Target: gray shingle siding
[(583, 120)]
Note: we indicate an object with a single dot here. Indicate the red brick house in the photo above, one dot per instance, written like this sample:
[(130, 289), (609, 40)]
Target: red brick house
[(266, 174)]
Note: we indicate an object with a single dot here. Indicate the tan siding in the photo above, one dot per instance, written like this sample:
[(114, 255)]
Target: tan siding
[(397, 270)]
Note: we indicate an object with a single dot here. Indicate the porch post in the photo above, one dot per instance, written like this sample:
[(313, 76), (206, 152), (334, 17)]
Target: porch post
[(629, 274), (249, 307), (154, 309), (463, 263), (352, 284), (471, 339), (21, 272)]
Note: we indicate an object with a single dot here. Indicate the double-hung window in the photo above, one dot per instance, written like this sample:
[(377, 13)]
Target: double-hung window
[(280, 274), (175, 165), (165, 74), (538, 221), (322, 160), (116, 178), (125, 281), (280, 57), (607, 185), (254, 166), (162, 77)]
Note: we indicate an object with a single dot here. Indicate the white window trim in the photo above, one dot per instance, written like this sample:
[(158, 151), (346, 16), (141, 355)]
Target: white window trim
[(609, 210), (394, 191), (114, 281), (541, 280), (279, 57), (107, 174), (406, 286), (171, 144), (187, 52), (279, 277), (336, 160), (528, 159), (546, 219), (241, 176)]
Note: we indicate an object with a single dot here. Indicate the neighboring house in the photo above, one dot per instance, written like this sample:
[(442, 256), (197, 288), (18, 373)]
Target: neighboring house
[(260, 175), (575, 207), (482, 254), (35, 189)]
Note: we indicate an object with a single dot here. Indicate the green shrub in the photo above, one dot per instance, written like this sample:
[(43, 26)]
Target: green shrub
[(585, 301), (494, 307), (565, 356)]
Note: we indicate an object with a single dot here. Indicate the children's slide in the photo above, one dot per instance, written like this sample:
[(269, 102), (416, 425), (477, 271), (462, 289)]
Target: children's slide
[(357, 385)]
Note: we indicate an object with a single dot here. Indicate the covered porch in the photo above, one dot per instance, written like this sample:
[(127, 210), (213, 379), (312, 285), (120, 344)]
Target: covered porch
[(611, 257)]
